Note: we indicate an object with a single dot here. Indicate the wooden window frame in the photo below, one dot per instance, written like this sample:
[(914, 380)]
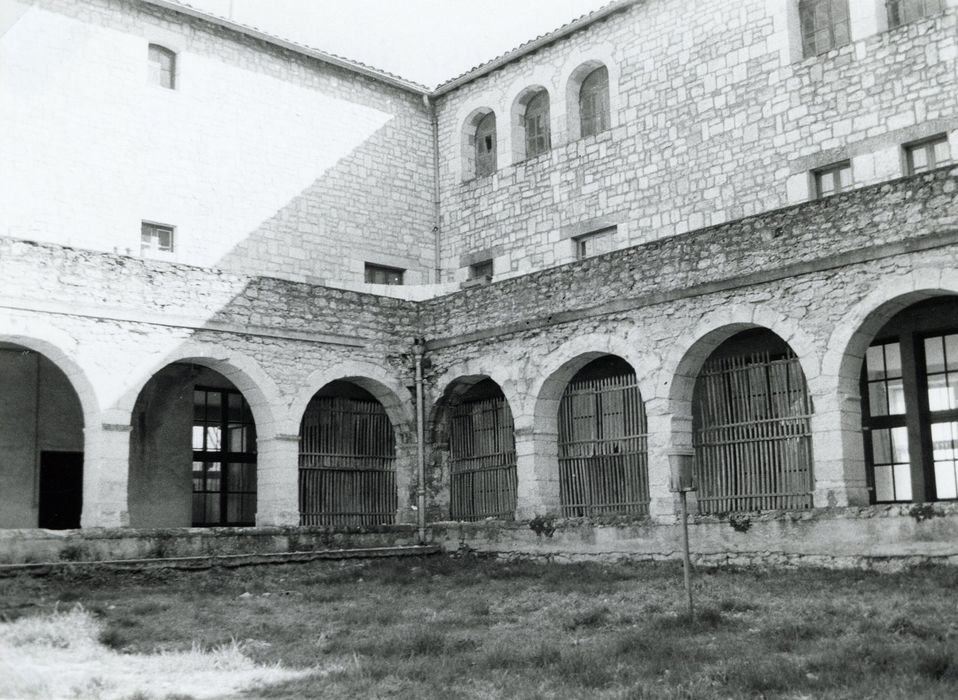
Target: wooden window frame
[(372, 271), (582, 242), (224, 456), (832, 170), (536, 127), (928, 146), (486, 157), (836, 27), (896, 10), (160, 75), (151, 231), (594, 108)]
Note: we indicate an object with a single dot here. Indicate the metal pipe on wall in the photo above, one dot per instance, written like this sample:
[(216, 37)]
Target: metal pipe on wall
[(418, 349), (436, 201)]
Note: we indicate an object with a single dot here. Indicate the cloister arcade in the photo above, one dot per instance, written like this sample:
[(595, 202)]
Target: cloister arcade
[(778, 419)]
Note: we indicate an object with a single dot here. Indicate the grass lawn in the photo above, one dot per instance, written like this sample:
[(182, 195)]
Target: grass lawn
[(465, 628)]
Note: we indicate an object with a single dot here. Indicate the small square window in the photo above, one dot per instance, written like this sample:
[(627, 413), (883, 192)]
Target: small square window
[(833, 179), (157, 238), (927, 154), (381, 274), (594, 243), (481, 270)]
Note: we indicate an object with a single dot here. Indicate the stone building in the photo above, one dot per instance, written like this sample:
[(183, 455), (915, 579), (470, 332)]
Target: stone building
[(732, 230)]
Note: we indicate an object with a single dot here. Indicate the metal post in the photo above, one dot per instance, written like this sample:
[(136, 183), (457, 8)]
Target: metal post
[(418, 349), (686, 562)]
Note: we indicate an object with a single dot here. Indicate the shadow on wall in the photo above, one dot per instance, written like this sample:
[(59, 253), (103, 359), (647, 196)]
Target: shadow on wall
[(345, 217)]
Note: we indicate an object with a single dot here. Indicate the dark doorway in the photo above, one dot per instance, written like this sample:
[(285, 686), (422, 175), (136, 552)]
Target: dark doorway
[(61, 490)]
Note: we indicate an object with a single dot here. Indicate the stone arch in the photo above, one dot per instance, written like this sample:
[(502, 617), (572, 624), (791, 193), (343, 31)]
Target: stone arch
[(578, 66), (467, 139), (51, 416), (388, 390), (244, 372), (393, 489), (464, 484), (680, 377), (842, 366)]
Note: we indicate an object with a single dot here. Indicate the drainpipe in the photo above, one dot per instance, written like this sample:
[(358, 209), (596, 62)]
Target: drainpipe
[(436, 232), (418, 348)]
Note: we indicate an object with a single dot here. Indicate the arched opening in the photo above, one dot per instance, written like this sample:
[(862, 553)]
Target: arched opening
[(41, 443), (532, 129), (909, 390), (481, 451), (347, 459), (479, 144), (751, 422), (594, 102), (603, 442), (192, 451)]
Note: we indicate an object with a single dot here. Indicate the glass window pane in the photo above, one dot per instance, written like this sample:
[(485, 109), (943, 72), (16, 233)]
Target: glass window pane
[(938, 396), (213, 439), (919, 158), (902, 482), (881, 446), (943, 441), (899, 440), (945, 481), (875, 362), (197, 437), (893, 360), (896, 397), (877, 400), (951, 351), (934, 354), (213, 401), (884, 491), (199, 405)]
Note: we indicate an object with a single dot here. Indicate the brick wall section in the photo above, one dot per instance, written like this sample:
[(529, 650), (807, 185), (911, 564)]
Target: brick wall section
[(266, 161), (713, 121), (833, 229)]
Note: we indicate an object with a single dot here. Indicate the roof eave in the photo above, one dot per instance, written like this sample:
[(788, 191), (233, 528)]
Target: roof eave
[(254, 33), (533, 46)]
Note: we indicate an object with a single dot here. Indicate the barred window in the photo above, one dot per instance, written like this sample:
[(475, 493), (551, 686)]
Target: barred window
[(162, 66), (927, 154), (904, 11), (825, 25), (156, 237), (833, 179), (381, 274), (594, 102), (486, 145), (536, 124)]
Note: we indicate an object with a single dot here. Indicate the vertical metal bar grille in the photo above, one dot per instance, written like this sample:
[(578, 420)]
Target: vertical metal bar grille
[(753, 442), (603, 448), (482, 448), (347, 463)]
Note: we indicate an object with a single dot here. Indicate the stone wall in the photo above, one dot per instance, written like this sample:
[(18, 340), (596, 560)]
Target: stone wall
[(714, 117), (266, 161)]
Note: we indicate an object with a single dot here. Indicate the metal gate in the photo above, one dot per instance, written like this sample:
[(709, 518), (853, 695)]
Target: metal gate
[(482, 448), (753, 442), (347, 463), (603, 448)]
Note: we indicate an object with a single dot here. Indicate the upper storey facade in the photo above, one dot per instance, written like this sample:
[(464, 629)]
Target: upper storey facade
[(661, 117), (134, 128)]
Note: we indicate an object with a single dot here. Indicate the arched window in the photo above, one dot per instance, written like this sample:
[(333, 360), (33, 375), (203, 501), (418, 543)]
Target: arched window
[(536, 124), (594, 102), (486, 145), (162, 66)]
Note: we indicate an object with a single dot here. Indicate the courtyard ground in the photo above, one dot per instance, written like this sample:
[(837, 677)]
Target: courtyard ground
[(442, 627)]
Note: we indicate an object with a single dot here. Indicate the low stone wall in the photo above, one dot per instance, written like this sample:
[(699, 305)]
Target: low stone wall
[(884, 538), (889, 537), (113, 544)]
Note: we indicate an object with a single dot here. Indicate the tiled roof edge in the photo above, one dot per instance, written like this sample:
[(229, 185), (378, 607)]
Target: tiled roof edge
[(253, 32), (533, 45)]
